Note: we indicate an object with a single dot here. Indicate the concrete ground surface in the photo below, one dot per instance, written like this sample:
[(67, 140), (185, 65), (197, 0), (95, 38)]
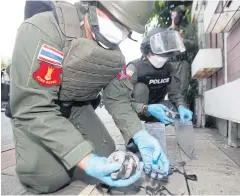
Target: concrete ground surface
[(217, 165)]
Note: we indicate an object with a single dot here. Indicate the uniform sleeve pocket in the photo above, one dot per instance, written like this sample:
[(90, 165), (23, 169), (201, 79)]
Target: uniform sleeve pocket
[(127, 83)]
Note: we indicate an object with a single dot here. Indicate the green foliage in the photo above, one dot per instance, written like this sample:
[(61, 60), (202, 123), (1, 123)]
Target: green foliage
[(163, 9), (3, 64), (192, 92)]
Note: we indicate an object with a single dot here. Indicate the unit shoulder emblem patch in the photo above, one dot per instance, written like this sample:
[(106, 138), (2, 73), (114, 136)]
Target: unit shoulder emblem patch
[(50, 66), (47, 75), (123, 74)]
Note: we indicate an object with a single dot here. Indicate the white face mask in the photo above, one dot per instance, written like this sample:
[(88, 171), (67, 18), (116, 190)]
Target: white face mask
[(156, 60), (112, 31)]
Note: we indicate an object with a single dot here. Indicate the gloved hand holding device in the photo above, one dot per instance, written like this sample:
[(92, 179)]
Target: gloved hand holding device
[(159, 112), (98, 167), (152, 155)]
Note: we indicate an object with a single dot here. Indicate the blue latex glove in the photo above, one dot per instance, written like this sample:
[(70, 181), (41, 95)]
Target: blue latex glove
[(185, 114), (154, 159), (159, 112), (97, 167)]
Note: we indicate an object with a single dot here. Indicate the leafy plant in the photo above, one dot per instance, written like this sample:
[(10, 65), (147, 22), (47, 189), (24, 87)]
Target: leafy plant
[(3, 64), (191, 93), (163, 9)]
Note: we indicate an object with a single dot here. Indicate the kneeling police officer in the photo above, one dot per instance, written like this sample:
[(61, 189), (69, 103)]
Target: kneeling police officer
[(63, 57), (153, 76)]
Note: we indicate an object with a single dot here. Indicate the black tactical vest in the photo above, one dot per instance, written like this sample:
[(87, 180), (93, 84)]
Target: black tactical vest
[(157, 80)]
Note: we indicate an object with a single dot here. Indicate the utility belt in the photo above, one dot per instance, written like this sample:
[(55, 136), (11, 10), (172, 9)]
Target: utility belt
[(65, 106)]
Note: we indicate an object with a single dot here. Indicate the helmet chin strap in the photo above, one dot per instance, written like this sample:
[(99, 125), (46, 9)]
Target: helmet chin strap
[(130, 37), (99, 38)]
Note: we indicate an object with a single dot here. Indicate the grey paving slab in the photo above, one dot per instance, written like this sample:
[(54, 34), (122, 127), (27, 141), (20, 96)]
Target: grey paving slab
[(172, 150), (69, 190), (29, 193), (177, 184), (212, 134), (232, 152), (169, 130), (6, 133), (120, 147), (78, 183), (119, 140), (112, 129), (115, 134), (9, 171), (220, 142), (217, 173), (199, 134), (103, 114), (11, 186), (208, 154), (214, 181)]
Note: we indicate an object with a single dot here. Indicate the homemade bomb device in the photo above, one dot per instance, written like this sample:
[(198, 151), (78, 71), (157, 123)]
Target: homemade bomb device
[(184, 136)]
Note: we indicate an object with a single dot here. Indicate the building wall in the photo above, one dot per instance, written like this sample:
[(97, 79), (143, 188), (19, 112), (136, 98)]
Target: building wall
[(216, 41), (233, 56), (233, 51)]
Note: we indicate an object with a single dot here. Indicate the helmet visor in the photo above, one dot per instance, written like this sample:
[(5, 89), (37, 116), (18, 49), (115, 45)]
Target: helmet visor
[(165, 42)]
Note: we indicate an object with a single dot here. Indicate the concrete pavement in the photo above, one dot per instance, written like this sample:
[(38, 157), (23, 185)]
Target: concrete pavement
[(217, 166), (6, 133)]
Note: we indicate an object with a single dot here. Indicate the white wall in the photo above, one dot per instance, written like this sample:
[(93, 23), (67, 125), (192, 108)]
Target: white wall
[(223, 101)]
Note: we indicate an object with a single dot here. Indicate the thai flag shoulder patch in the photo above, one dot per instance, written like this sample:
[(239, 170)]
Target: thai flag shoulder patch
[(50, 55)]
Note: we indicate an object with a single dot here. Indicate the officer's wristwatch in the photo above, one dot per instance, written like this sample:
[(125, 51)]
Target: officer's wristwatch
[(145, 110)]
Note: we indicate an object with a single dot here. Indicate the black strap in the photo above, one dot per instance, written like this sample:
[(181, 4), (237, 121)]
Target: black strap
[(130, 37), (101, 39), (175, 168), (159, 190), (149, 190), (8, 112), (93, 22)]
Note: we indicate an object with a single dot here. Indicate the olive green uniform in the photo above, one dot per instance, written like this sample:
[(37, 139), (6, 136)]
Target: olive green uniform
[(181, 64), (49, 145)]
